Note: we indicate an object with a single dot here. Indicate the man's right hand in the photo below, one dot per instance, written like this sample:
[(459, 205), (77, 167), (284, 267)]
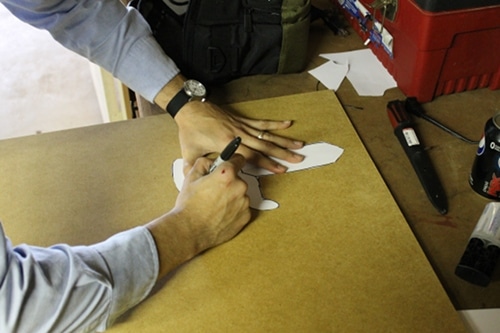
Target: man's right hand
[(210, 210)]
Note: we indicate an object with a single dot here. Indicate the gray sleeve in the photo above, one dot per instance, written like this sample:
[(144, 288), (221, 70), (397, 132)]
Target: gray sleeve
[(106, 32), (63, 288)]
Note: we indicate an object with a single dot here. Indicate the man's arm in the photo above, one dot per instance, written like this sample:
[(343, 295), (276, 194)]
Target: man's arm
[(67, 289), (107, 33), (86, 288), (120, 40)]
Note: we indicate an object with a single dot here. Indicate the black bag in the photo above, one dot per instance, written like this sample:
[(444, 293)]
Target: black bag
[(220, 40)]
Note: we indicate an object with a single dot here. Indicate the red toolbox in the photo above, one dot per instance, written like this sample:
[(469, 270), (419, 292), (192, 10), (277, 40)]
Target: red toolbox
[(431, 47)]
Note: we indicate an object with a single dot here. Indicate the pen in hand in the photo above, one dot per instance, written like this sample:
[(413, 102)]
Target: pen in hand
[(226, 154)]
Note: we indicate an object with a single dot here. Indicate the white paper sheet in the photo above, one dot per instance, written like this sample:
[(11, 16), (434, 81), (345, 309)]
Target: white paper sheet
[(330, 74), (316, 155), (365, 72)]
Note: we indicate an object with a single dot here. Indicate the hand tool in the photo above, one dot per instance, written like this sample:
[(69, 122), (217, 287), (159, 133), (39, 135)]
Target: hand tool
[(405, 132)]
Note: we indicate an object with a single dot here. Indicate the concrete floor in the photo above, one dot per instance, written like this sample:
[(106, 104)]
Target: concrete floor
[(43, 86)]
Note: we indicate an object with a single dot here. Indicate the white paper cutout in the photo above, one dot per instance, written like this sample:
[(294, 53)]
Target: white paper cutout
[(331, 74), (317, 154), (257, 201), (365, 72)]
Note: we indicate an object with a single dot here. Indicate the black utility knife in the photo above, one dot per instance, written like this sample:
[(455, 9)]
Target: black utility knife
[(405, 132)]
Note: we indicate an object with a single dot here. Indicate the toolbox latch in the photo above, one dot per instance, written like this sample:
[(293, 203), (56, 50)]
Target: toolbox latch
[(388, 8)]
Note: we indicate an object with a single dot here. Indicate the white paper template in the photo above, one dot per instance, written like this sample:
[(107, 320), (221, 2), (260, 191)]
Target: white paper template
[(316, 155)]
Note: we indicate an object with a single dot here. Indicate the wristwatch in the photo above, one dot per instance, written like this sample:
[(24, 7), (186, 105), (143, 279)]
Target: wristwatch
[(191, 90)]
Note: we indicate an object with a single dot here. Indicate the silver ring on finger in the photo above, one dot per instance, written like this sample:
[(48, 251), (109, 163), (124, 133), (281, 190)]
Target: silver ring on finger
[(261, 135)]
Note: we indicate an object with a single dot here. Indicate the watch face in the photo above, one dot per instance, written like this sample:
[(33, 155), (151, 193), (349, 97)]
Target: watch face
[(195, 88)]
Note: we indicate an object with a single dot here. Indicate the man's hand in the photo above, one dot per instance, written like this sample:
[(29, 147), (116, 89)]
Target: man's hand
[(205, 128), (210, 210)]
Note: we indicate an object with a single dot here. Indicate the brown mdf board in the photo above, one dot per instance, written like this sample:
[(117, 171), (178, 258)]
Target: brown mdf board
[(336, 256)]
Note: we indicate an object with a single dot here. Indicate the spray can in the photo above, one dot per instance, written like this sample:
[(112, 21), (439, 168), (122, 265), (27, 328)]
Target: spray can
[(483, 249), (485, 175)]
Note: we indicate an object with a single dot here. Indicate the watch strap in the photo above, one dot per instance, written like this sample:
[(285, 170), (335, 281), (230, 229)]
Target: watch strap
[(179, 100)]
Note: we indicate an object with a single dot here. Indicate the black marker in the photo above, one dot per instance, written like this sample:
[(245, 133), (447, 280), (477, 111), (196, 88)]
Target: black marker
[(404, 131), (226, 154)]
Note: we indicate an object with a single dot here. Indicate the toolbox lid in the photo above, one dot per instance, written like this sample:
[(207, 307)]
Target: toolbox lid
[(446, 5)]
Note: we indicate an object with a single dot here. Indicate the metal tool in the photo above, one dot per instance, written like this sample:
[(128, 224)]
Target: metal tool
[(415, 108), (405, 132)]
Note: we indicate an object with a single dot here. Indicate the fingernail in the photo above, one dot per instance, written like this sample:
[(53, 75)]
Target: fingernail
[(298, 157), (298, 143), (281, 168)]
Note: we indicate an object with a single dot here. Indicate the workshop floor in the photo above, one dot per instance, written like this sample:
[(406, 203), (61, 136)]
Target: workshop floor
[(43, 86)]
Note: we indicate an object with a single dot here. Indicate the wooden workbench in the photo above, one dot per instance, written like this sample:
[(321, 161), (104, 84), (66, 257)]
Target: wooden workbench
[(443, 238), (337, 255)]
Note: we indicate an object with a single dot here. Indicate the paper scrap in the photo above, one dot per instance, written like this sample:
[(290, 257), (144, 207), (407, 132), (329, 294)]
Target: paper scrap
[(365, 72), (316, 155), (331, 74)]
